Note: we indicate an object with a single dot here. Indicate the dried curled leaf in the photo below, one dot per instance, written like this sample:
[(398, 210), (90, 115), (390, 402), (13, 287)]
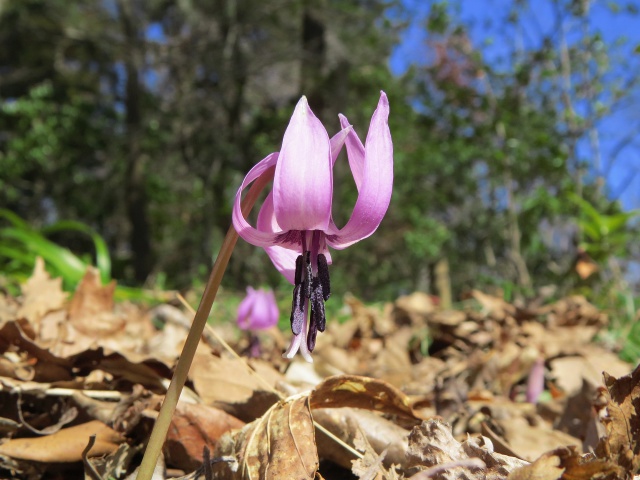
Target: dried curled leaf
[(621, 444), (362, 392), (280, 444), (567, 463), (432, 445)]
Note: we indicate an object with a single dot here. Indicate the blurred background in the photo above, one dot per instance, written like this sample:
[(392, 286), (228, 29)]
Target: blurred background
[(126, 127)]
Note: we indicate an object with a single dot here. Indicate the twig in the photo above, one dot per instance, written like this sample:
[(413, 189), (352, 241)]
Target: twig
[(89, 469)]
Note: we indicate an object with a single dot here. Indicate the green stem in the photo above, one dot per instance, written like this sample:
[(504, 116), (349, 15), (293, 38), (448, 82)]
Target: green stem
[(161, 426)]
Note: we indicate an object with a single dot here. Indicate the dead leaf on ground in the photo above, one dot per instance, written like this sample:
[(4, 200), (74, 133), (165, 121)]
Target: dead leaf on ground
[(362, 392), (41, 294), (432, 444), (90, 302), (370, 466), (567, 464), (280, 444), (65, 445), (348, 424), (194, 426), (621, 443), (227, 384)]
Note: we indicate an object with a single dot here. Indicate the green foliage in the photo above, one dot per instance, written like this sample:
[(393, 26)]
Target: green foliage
[(604, 235), (20, 245), (146, 138)]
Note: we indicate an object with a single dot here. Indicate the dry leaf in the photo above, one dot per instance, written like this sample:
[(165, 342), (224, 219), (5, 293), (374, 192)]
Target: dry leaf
[(41, 294), (192, 427), (90, 301), (348, 424), (622, 423), (279, 445), (9, 307), (65, 445), (362, 392), (227, 384), (413, 309), (531, 441), (370, 466), (567, 464), (546, 467), (592, 360), (432, 445)]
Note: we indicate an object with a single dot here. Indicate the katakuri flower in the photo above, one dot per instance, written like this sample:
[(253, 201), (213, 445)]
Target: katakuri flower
[(295, 225), (258, 310)]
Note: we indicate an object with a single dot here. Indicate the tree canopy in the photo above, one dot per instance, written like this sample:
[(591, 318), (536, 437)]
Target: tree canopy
[(140, 120)]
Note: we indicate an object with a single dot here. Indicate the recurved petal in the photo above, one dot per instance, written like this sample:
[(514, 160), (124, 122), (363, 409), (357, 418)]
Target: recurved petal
[(282, 258), (246, 231), (303, 182), (355, 152), (337, 141), (376, 182)]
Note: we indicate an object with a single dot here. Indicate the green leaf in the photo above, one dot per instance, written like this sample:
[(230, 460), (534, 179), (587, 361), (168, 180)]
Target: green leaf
[(103, 259), (68, 265)]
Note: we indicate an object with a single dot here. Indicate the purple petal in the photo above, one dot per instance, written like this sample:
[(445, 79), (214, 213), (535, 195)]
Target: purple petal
[(303, 182), (244, 309), (262, 314), (535, 382), (355, 153), (246, 231), (284, 259), (337, 141), (376, 182)]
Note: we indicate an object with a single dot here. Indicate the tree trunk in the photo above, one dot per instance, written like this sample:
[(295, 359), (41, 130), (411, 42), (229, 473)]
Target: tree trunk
[(135, 192)]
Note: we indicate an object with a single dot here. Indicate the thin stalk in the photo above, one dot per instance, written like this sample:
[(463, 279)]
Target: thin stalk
[(161, 426)]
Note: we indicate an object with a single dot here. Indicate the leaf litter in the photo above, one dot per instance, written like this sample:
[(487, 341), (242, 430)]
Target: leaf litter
[(493, 390)]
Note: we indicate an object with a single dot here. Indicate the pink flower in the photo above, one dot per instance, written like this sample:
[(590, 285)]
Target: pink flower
[(535, 382), (295, 226), (258, 310)]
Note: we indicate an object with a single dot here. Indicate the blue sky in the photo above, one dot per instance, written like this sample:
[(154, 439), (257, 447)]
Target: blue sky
[(620, 32)]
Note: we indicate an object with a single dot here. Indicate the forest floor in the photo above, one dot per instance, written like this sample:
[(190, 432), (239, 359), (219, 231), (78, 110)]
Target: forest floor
[(408, 390)]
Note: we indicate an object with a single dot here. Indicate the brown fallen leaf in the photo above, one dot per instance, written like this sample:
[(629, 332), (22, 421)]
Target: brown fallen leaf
[(362, 392), (48, 367), (591, 361), (41, 294), (90, 301), (567, 464), (432, 444), (349, 424), (531, 441), (413, 309), (9, 307), (227, 384), (66, 445), (370, 466), (621, 444), (547, 467), (278, 445), (193, 427)]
